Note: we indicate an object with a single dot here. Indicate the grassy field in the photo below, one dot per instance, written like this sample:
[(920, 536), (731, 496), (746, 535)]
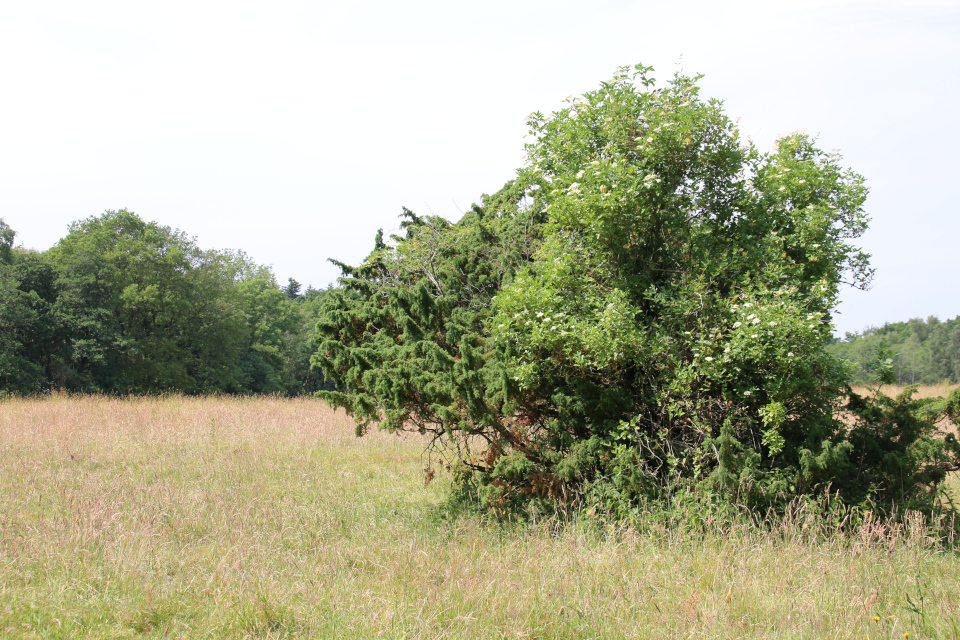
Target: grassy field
[(266, 518)]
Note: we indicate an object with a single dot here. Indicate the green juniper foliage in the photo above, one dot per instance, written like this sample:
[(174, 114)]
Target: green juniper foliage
[(406, 337), (642, 315)]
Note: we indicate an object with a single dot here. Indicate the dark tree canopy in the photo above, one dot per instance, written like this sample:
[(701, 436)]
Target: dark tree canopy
[(127, 306), (7, 236), (292, 290)]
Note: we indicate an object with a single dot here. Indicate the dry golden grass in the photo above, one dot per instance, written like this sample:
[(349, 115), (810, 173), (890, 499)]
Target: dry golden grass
[(923, 391), (266, 518)]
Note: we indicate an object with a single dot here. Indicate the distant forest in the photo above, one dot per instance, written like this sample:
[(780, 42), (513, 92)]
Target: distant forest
[(922, 351), (125, 306)]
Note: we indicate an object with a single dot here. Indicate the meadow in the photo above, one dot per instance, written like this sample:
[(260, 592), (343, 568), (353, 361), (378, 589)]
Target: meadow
[(183, 517)]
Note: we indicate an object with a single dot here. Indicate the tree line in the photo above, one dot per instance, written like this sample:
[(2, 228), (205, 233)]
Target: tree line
[(920, 351), (121, 305)]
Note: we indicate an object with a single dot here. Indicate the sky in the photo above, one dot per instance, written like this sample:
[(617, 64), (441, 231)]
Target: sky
[(293, 130)]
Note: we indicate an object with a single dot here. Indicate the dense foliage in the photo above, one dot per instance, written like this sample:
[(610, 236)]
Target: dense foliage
[(125, 306), (406, 337), (921, 352), (642, 315)]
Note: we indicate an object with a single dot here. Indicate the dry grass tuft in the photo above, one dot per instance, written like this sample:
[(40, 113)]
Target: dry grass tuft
[(265, 518)]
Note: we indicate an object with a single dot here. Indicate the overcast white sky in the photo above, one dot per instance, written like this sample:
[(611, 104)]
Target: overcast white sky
[(293, 129)]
